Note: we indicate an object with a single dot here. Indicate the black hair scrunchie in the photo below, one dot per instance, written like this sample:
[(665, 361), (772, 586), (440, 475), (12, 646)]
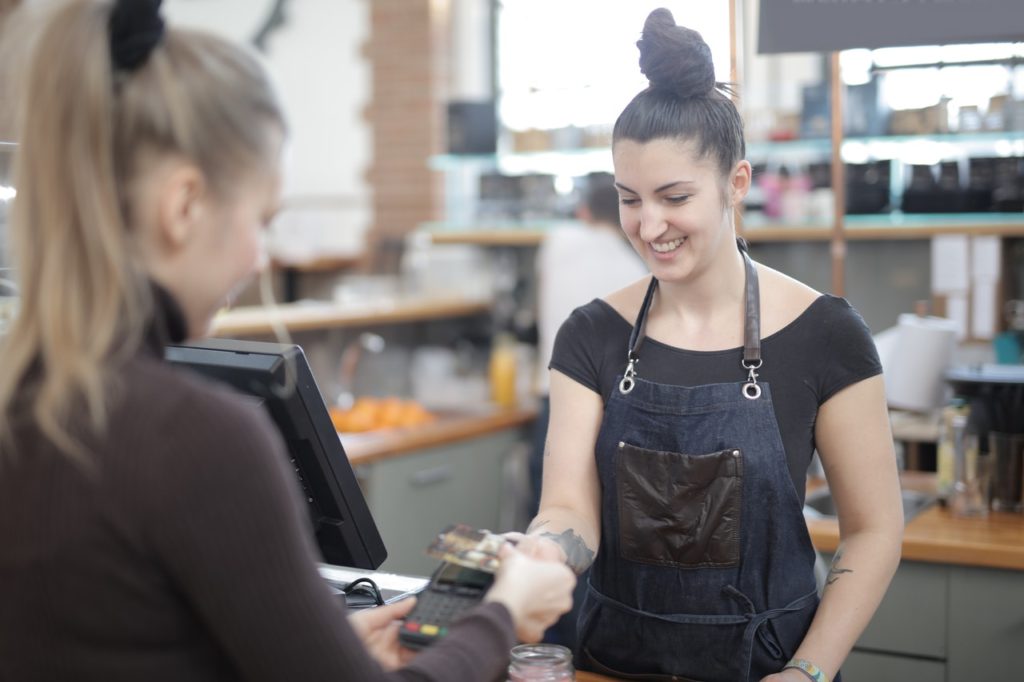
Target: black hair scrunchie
[(136, 27)]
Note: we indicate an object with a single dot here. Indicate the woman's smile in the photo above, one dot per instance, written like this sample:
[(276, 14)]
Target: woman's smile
[(665, 248)]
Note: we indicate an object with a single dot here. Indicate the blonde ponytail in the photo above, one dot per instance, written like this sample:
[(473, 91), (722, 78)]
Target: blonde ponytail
[(85, 133)]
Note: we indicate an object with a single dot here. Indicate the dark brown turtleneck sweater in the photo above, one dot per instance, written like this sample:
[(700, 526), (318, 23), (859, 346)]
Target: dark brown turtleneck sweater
[(186, 555)]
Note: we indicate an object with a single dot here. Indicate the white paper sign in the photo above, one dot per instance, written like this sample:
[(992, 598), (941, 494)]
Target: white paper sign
[(983, 310), (986, 258), (950, 264)]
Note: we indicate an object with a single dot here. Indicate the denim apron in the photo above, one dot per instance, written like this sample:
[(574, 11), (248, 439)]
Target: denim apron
[(705, 570)]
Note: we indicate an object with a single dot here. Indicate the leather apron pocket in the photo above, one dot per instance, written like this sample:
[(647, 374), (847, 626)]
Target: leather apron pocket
[(678, 509)]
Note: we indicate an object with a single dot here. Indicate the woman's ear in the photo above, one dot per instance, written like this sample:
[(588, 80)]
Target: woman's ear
[(182, 199), (739, 181)]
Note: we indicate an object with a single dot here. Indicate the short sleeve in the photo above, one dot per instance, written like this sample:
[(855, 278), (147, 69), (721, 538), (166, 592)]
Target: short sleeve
[(851, 353), (576, 351)]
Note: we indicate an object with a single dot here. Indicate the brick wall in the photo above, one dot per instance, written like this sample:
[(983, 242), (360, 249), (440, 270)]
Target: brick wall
[(405, 53)]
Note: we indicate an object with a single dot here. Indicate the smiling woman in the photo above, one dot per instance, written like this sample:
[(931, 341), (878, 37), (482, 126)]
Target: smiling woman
[(684, 412)]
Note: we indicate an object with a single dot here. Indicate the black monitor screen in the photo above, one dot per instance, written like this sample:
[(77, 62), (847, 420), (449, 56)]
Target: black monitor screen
[(345, 530)]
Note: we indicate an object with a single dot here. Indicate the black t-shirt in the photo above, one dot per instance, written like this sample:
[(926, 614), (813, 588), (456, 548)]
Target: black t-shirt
[(827, 348)]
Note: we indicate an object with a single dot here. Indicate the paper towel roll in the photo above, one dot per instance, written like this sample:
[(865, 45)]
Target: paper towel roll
[(915, 356)]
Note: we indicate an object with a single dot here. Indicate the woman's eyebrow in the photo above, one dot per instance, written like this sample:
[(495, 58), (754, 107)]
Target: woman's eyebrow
[(660, 189)]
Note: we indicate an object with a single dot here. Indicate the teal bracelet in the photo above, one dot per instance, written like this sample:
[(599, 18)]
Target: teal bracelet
[(812, 671)]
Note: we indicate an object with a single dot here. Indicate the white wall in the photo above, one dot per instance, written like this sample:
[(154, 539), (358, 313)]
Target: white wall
[(316, 63)]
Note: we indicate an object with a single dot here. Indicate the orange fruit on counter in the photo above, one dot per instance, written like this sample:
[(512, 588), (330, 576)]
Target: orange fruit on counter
[(414, 414), (369, 414), (390, 413)]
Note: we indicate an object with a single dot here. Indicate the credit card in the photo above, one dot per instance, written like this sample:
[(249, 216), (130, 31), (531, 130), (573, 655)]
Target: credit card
[(467, 546)]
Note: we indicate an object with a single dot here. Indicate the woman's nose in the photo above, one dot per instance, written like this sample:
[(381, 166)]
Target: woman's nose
[(652, 223)]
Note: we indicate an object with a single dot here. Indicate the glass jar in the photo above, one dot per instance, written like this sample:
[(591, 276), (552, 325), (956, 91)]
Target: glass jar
[(540, 663), (970, 494), (945, 468)]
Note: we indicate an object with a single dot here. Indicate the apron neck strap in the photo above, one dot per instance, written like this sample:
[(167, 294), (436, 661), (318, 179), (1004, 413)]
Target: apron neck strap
[(751, 325), (752, 315), (636, 337)]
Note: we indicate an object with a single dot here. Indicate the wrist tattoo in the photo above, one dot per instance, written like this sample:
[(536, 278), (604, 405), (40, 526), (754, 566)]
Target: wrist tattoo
[(834, 571), (578, 555)]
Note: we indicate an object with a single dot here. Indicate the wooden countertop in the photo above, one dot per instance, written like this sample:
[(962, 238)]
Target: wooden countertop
[(936, 536), (259, 320), (364, 448)]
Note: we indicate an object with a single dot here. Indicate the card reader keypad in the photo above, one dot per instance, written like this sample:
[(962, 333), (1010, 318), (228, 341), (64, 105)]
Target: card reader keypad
[(436, 609)]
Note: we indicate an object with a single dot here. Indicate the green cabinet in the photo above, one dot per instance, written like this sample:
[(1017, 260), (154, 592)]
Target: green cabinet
[(414, 496), (867, 666), (943, 623), (986, 624), (911, 620)]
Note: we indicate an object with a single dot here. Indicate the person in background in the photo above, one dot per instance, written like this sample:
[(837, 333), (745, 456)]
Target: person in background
[(685, 409), (147, 168), (575, 264)]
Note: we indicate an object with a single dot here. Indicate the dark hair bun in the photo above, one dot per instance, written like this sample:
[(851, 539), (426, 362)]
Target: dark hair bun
[(675, 58)]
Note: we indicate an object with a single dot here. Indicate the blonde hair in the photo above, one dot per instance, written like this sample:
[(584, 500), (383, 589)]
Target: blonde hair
[(85, 133)]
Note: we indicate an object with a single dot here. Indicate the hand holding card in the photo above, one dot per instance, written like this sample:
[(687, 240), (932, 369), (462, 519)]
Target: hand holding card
[(534, 590), (469, 547)]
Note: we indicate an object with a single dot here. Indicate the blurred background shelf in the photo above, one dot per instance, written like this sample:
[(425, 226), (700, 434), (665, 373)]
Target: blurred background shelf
[(891, 226), (321, 264), (903, 225), (305, 316), (491, 237)]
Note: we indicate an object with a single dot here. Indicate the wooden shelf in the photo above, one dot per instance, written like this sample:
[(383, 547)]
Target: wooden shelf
[(328, 264), (865, 228), (490, 237), (858, 228), (781, 233), (257, 320)]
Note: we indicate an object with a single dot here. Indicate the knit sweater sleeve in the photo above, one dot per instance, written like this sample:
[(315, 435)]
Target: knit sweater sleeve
[(223, 515)]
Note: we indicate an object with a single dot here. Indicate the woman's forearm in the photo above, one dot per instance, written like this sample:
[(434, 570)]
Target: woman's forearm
[(858, 578), (567, 529)]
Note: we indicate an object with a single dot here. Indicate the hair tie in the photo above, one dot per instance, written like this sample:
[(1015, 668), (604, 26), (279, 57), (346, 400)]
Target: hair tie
[(136, 27)]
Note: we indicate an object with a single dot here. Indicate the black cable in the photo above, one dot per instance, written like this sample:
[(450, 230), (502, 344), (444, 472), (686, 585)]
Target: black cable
[(365, 586)]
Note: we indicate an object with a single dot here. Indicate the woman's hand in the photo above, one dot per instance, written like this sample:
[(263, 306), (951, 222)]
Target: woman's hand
[(535, 591), (378, 629)]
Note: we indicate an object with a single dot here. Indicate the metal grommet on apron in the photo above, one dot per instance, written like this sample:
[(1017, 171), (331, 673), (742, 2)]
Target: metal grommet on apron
[(703, 542)]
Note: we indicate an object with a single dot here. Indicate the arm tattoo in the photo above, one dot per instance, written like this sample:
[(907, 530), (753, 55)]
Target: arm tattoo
[(834, 571), (578, 555)]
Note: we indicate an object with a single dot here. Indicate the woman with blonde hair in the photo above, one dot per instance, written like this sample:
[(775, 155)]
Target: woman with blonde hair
[(148, 163)]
